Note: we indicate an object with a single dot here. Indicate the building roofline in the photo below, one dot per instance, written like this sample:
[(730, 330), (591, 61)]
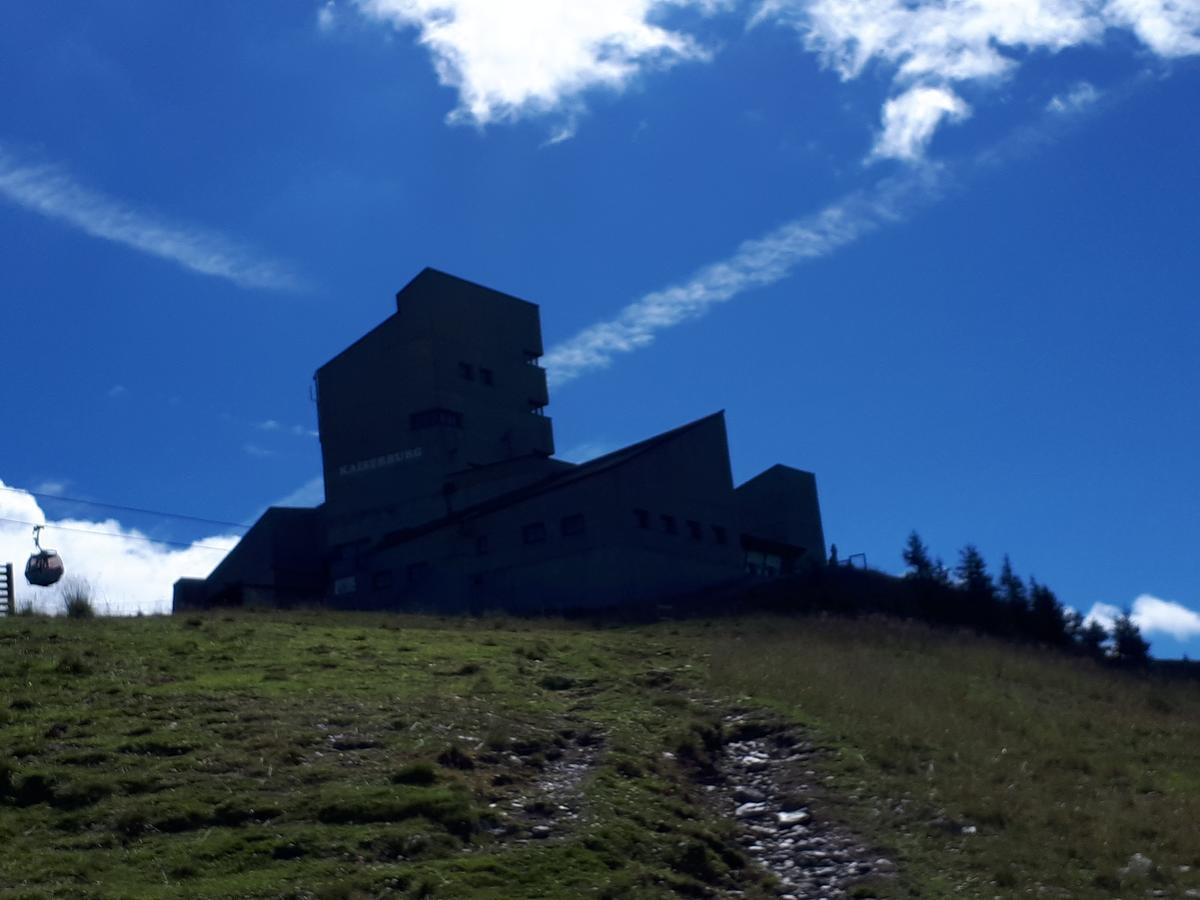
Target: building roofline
[(426, 273), (431, 272), (552, 482)]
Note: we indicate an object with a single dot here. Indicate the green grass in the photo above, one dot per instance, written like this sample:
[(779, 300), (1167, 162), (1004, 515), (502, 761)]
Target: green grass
[(1064, 768), (321, 755)]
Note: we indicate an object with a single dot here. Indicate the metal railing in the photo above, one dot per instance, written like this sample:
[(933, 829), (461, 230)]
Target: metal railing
[(8, 598)]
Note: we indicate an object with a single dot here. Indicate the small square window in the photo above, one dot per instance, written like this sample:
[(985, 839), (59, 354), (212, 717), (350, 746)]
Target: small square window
[(466, 371), (719, 535), (346, 585), (485, 375), (643, 517), (695, 531), (573, 524), (534, 533), (669, 525)]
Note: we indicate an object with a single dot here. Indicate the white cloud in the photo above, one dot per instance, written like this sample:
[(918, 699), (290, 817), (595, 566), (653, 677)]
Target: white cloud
[(581, 453), (756, 263), (1081, 96), (1152, 615), (127, 573), (518, 57), (932, 44), (910, 120), (303, 431), (51, 192), (311, 493), (268, 425), (255, 450), (327, 16), (1104, 613), (116, 391), (53, 488)]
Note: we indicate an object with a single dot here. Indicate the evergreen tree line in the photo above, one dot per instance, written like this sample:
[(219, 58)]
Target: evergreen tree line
[(1009, 606)]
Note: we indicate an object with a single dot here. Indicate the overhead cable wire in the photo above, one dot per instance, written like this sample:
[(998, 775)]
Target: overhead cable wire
[(117, 534), (133, 509)]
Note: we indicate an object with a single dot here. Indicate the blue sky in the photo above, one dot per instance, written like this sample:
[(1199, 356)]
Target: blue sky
[(942, 254)]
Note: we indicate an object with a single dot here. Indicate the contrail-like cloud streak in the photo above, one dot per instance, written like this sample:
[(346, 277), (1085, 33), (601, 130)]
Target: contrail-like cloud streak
[(756, 263), (51, 192), (767, 260)]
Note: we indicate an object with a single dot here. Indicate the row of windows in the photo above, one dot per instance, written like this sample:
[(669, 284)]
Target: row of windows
[(467, 371), (763, 564), (537, 533), (568, 526), (670, 525), (431, 418), (531, 533)]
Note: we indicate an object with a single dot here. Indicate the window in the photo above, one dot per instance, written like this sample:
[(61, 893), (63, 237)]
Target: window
[(481, 545), (668, 524), (534, 533), (695, 532), (347, 585), (466, 371), (766, 564), (643, 517), (485, 375), (572, 524), (537, 408), (719, 535), (382, 580), (418, 572), (531, 358), (432, 418)]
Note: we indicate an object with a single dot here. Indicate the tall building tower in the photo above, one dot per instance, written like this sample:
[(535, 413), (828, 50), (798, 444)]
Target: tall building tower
[(446, 386)]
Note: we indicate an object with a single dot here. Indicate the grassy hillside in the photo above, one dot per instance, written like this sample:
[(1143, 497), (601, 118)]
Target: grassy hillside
[(319, 755)]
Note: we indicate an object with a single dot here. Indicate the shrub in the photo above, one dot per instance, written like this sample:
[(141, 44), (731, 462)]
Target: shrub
[(421, 773), (77, 599)]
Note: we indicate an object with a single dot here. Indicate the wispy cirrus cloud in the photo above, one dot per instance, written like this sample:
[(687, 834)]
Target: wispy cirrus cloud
[(910, 120), (767, 260), (532, 57), (938, 45), (528, 58), (756, 263), (50, 191), (1082, 95)]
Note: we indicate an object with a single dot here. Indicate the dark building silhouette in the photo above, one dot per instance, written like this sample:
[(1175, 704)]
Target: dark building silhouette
[(442, 492)]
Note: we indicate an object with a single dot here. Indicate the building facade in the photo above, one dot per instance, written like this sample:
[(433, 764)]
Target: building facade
[(442, 492)]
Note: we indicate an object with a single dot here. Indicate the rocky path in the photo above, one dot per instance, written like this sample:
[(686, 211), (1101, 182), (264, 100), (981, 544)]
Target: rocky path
[(766, 780)]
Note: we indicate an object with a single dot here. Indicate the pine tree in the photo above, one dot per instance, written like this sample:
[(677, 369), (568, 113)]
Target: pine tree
[(1091, 639), (1128, 645), (1047, 622), (916, 557), (1012, 588), (972, 574)]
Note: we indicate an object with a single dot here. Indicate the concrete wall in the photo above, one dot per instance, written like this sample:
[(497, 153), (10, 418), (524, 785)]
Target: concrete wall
[(648, 527), (450, 346), (280, 561), (781, 505)]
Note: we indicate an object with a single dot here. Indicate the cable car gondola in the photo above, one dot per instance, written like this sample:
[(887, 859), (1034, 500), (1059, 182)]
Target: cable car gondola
[(45, 567)]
